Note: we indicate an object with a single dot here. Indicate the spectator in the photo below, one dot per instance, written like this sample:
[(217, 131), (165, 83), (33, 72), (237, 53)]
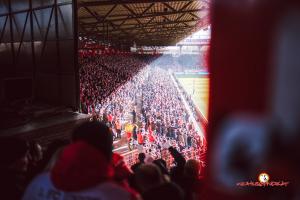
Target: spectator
[(141, 161), (164, 191), (96, 134), (147, 177), (192, 183), (152, 184), (83, 170), (35, 152), (178, 170), (122, 173), (162, 166), (35, 157)]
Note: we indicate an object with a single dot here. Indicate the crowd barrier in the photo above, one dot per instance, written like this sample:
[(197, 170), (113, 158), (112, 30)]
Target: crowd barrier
[(131, 157)]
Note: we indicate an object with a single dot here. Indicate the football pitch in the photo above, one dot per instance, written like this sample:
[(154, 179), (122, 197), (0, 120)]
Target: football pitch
[(198, 87)]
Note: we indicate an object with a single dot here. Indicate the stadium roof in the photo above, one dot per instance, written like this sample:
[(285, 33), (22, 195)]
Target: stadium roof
[(145, 22)]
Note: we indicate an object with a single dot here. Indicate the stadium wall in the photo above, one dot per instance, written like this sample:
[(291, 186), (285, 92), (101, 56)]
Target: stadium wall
[(38, 42)]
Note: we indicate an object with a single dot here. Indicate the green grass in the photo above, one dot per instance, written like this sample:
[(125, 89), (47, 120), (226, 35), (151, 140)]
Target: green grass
[(198, 87)]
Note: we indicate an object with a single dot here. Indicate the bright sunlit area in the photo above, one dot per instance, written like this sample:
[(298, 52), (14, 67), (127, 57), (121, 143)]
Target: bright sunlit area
[(188, 62)]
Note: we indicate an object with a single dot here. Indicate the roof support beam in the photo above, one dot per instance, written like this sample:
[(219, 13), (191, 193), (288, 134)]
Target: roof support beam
[(97, 17), (128, 17), (108, 13), (178, 18), (170, 7), (148, 24), (152, 30), (182, 12), (123, 2), (137, 19)]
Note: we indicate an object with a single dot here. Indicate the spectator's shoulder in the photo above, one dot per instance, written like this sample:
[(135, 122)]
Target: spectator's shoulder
[(43, 178), (38, 186)]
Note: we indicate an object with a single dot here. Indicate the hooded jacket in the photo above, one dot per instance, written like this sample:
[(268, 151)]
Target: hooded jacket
[(81, 172)]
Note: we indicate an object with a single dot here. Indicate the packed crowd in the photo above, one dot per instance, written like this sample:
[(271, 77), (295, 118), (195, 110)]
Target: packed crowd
[(147, 108), (86, 168), (149, 111), (166, 120), (101, 75)]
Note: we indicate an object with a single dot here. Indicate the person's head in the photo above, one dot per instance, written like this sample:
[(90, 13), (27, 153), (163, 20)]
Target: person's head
[(141, 157), (14, 154), (35, 151), (97, 134), (192, 168), (162, 165), (167, 190), (148, 176), (79, 166)]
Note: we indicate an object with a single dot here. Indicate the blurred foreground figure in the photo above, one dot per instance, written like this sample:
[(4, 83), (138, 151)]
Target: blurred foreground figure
[(83, 170), (152, 185), (255, 100), (141, 161)]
